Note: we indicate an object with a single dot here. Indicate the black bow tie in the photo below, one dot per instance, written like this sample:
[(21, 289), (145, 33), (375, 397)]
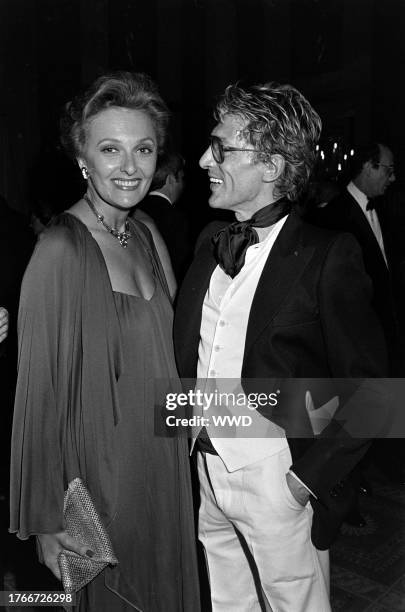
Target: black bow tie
[(232, 242), (370, 205)]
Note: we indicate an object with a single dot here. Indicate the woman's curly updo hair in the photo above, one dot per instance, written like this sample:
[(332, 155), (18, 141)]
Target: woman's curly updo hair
[(279, 120), (131, 90)]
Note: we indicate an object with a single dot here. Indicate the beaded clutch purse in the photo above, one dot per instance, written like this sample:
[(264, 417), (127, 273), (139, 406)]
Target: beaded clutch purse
[(83, 523)]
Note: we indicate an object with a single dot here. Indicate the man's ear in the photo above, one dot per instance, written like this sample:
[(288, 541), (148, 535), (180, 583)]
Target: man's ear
[(170, 180), (367, 167), (274, 168)]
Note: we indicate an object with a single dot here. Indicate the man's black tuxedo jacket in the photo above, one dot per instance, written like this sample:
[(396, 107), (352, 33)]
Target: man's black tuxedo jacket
[(344, 214), (310, 318)]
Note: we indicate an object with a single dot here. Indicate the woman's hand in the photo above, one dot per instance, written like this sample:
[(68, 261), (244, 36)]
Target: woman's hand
[(51, 544), (3, 324)]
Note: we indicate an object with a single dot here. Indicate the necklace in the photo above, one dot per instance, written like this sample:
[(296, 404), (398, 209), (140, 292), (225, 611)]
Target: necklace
[(122, 237)]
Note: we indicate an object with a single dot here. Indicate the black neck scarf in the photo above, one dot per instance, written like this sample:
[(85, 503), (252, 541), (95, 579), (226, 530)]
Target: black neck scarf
[(232, 242)]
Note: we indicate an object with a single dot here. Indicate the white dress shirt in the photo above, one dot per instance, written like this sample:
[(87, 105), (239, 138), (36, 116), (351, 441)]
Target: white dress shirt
[(371, 215), (224, 322)]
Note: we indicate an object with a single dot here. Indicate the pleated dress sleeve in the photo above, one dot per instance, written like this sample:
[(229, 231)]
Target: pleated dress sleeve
[(66, 406)]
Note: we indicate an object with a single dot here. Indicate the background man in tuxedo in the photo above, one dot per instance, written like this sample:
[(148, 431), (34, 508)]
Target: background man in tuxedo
[(280, 299), (359, 209), (353, 210), (160, 204)]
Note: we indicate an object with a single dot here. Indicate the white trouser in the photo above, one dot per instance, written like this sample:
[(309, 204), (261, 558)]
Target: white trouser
[(275, 528)]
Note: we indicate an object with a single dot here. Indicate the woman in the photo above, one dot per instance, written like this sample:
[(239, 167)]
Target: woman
[(95, 348)]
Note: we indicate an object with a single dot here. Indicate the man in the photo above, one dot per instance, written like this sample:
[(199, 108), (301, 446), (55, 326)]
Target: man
[(353, 211), (359, 209), (166, 189), (286, 300)]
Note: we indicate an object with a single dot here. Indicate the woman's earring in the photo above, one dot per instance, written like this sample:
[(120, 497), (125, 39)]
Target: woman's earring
[(85, 173)]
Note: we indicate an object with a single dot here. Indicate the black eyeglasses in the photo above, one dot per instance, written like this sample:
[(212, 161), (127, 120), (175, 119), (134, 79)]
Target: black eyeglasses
[(218, 149), (390, 168)]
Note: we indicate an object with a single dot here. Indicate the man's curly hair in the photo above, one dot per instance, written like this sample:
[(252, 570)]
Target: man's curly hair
[(279, 120)]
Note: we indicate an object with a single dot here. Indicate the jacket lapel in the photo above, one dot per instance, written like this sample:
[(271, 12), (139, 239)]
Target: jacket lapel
[(201, 271), (287, 260), (371, 246), (188, 314)]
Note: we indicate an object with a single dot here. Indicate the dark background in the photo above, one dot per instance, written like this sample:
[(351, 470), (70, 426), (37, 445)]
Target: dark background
[(347, 56)]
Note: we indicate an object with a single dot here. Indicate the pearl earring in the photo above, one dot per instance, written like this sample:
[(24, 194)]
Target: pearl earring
[(85, 173)]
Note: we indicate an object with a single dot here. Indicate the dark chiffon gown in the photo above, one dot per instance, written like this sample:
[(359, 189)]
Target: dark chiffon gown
[(138, 479)]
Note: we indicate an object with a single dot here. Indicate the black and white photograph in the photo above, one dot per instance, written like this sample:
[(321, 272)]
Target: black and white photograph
[(202, 305)]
